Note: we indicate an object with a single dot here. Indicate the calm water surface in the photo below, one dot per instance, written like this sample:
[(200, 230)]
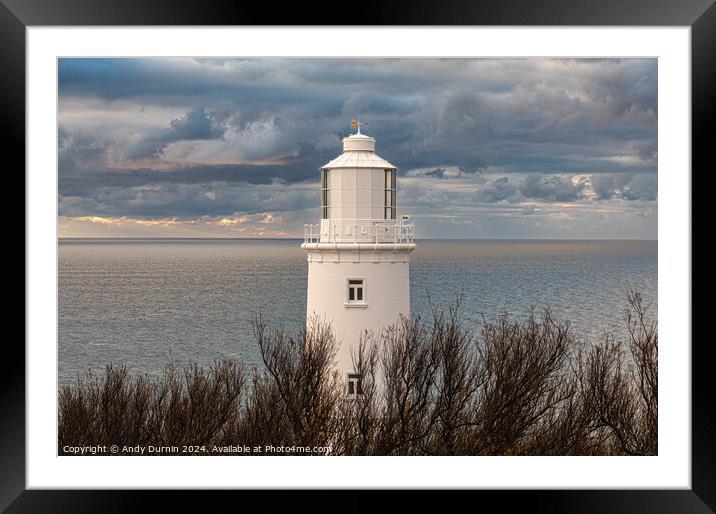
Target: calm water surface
[(144, 302)]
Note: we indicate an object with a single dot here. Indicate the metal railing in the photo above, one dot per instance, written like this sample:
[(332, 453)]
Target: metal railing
[(311, 233), (389, 231)]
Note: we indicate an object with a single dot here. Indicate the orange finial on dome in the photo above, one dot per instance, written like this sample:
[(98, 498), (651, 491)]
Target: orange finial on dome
[(357, 124)]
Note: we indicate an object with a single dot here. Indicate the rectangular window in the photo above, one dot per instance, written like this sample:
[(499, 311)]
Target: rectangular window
[(325, 192), (356, 288), (389, 179), (390, 196), (354, 385)]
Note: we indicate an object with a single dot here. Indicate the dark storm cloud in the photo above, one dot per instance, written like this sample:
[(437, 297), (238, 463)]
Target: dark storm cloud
[(156, 80), (647, 150), (187, 201), (229, 173), (628, 187), (77, 151), (197, 124), (552, 188), (83, 167), (437, 173), (256, 122), (497, 190), (187, 82), (534, 186)]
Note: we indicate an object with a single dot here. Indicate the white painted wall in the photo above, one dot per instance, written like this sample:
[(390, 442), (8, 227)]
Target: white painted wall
[(387, 292)]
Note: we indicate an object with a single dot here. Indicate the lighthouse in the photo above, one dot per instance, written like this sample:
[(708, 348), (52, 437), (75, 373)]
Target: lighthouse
[(359, 254)]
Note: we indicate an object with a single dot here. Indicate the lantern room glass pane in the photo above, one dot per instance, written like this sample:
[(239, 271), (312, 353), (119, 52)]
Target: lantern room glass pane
[(325, 189), (389, 200)]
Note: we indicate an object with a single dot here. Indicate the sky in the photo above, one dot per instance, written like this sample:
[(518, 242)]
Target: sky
[(485, 148)]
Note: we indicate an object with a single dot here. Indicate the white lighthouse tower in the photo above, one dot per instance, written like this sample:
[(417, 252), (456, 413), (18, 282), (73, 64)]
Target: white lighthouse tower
[(359, 255)]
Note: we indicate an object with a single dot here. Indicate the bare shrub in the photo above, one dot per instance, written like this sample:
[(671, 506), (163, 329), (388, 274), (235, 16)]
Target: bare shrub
[(302, 373), (459, 377), (198, 405), (427, 388), (409, 364), (644, 347), (525, 381), (623, 396), (192, 408)]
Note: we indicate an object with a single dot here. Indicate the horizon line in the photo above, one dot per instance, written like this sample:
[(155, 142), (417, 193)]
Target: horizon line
[(299, 238)]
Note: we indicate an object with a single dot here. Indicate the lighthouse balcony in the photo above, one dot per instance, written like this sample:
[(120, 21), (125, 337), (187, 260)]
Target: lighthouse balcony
[(359, 231)]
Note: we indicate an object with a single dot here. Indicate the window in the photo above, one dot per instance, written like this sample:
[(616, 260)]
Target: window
[(355, 387), (325, 191), (389, 194), (356, 290)]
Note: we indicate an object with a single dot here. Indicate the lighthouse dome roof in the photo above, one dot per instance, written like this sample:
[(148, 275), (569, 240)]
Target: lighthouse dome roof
[(359, 152), (358, 143)]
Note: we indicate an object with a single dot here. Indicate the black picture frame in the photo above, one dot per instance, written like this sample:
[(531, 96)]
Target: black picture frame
[(700, 15)]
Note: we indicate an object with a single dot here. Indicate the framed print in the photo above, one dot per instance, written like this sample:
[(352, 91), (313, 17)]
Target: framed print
[(425, 254)]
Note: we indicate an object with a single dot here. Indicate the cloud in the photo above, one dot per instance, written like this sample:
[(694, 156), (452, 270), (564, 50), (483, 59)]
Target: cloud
[(437, 173), (77, 151), (641, 187), (627, 187), (188, 200), (197, 124), (497, 190), (235, 225), (162, 137), (553, 188), (87, 162)]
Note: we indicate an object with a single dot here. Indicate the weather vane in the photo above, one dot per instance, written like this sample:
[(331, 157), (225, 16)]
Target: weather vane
[(357, 124)]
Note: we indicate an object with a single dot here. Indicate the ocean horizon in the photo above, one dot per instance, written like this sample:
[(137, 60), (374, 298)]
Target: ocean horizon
[(145, 302)]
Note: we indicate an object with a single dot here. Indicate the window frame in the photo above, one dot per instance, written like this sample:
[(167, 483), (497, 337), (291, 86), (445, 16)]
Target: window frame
[(353, 380), (355, 302), (390, 197), (325, 193)]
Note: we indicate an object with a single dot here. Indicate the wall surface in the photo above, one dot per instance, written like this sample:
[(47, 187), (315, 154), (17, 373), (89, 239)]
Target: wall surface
[(386, 293)]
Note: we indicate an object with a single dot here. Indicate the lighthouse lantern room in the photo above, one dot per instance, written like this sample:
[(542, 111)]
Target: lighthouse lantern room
[(359, 254)]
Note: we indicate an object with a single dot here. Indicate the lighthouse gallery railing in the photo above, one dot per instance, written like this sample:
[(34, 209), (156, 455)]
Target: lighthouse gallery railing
[(389, 231)]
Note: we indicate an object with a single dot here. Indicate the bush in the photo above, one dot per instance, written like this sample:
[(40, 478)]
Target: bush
[(517, 388)]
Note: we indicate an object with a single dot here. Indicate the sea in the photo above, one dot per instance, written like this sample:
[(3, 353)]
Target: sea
[(145, 303)]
